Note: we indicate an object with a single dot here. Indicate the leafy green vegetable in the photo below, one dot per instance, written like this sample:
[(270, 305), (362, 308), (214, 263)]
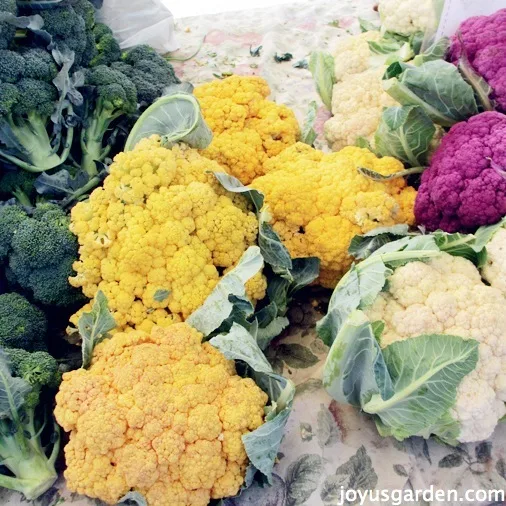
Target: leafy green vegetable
[(406, 393), (94, 327), (308, 135), (321, 65), (405, 133), (176, 117), (436, 86)]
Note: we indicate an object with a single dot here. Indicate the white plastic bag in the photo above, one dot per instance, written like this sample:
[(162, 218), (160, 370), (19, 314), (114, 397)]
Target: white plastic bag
[(137, 22)]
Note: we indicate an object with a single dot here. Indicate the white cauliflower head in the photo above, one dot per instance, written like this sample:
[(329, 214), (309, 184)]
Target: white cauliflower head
[(407, 16), (494, 271), (447, 296)]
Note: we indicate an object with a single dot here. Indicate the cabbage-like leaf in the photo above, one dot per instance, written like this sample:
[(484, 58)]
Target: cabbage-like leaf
[(409, 386), (436, 51), (175, 117), (13, 391), (436, 86), (94, 326), (308, 134), (321, 65), (261, 445), (217, 307), (362, 246), (405, 133), (132, 498)]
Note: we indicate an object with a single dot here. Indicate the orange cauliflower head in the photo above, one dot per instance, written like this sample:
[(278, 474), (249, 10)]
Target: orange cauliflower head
[(162, 414), (158, 235), (319, 202), (248, 129)]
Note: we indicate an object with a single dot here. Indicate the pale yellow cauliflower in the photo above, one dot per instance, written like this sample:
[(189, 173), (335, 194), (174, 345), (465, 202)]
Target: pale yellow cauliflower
[(447, 296), (319, 202), (158, 236), (248, 129), (161, 414)]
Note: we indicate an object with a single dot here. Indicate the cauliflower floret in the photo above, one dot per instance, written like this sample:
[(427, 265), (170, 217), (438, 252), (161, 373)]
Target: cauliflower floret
[(357, 103), (494, 271), (319, 202), (158, 234), (407, 16), (247, 128), (447, 296), (161, 414)]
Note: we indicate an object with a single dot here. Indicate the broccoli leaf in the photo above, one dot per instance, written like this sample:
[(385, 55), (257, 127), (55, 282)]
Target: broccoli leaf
[(436, 86), (321, 65), (308, 135), (176, 117), (94, 326), (217, 307), (405, 133), (13, 391), (409, 386), (61, 183)]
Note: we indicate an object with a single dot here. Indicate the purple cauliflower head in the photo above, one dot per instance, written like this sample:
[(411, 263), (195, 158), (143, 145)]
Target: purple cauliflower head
[(465, 185), (483, 39)]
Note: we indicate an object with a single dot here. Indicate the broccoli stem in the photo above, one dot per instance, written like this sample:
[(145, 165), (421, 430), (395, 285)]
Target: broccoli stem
[(92, 140), (22, 197), (32, 137), (21, 453)]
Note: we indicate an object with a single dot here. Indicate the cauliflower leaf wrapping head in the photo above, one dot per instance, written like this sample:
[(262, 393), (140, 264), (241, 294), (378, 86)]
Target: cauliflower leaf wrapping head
[(158, 236), (319, 202), (446, 296), (483, 40), (464, 186), (248, 129), (162, 414)]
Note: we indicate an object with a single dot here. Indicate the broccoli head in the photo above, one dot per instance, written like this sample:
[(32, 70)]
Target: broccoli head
[(85, 9), (36, 99), (11, 218), (107, 47), (39, 64), (22, 325), (7, 31), (40, 256), (24, 440), (18, 183), (12, 66)]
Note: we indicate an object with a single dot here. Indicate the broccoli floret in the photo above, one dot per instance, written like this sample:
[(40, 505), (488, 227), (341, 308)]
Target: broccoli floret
[(39, 64), (107, 47), (22, 325), (36, 99), (114, 96), (12, 66), (40, 256), (7, 31), (68, 30), (25, 379), (86, 10), (149, 71), (18, 183), (11, 218)]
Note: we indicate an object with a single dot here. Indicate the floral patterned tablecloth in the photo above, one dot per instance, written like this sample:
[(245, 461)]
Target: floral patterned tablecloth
[(327, 446)]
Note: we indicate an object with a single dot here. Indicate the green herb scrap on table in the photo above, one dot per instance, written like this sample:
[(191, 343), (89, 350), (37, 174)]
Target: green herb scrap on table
[(199, 307)]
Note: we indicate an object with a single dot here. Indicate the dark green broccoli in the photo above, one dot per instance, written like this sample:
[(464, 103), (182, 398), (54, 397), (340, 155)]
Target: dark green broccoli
[(114, 95), (27, 102), (40, 255), (150, 72), (22, 325), (68, 30), (85, 9), (25, 380), (19, 184), (11, 218), (107, 47), (7, 31)]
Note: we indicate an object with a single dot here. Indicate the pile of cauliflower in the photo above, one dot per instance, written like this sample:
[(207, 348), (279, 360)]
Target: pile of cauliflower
[(161, 414), (247, 128), (157, 237), (319, 202)]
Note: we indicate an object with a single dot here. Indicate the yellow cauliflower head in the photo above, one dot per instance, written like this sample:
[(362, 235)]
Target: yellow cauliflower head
[(319, 202), (159, 234), (162, 414), (248, 129)]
